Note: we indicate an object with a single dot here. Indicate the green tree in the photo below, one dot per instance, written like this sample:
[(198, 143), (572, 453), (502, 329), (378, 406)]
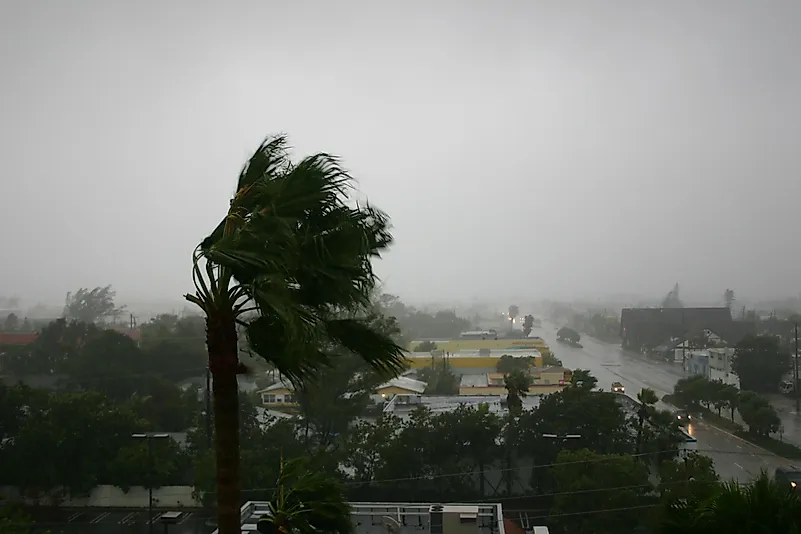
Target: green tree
[(475, 432), (508, 364), (290, 256), (11, 323), (762, 506), (517, 384), (439, 378), (692, 477), (365, 446), (589, 482), (689, 393), (92, 305), (15, 521), (306, 501), (69, 442), (528, 325), (584, 379), (760, 363), (758, 413), (595, 415), (133, 466), (568, 334), (549, 360), (647, 398)]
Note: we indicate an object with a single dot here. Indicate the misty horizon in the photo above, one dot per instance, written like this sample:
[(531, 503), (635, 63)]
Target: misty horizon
[(538, 151)]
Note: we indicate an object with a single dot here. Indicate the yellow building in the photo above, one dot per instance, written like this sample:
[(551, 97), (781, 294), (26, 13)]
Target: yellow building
[(472, 359), (402, 385), (459, 345), (545, 381), (280, 394)]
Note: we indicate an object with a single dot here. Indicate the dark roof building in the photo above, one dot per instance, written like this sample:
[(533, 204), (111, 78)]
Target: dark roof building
[(649, 327)]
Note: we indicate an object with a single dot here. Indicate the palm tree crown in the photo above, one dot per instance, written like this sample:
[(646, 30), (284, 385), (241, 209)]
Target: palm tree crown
[(290, 265)]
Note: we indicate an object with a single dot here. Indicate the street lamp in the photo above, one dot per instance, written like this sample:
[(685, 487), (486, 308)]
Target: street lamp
[(150, 436)]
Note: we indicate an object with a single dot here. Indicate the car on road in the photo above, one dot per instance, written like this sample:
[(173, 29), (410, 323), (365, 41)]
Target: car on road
[(684, 417), (617, 387), (789, 475)]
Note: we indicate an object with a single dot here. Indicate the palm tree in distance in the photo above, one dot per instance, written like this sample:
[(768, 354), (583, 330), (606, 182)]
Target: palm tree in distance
[(765, 505), (306, 501), (647, 398), (290, 265), (517, 383)]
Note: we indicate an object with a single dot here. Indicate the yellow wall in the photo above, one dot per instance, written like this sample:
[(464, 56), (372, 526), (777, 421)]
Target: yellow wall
[(280, 391), (455, 345), (277, 392), (551, 378), (481, 362), (501, 391)]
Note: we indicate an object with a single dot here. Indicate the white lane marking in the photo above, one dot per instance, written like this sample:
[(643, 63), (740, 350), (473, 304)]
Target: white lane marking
[(738, 465), (74, 516), (100, 518), (185, 517), (130, 518)]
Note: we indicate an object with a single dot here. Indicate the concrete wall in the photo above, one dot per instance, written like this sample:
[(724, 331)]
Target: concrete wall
[(114, 497)]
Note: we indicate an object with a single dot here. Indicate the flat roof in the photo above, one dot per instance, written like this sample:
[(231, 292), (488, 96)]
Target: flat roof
[(404, 404), (516, 352), (373, 517)]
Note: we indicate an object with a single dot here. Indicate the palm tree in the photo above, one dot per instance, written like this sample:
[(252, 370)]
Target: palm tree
[(762, 506), (517, 384), (288, 265), (647, 398), (306, 501)]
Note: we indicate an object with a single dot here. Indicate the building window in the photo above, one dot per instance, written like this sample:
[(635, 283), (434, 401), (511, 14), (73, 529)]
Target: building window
[(268, 399), (289, 398)]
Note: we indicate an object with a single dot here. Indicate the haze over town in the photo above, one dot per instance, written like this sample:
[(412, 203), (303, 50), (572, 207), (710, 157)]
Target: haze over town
[(536, 150)]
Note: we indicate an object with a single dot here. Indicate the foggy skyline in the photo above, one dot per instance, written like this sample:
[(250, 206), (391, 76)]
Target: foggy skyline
[(548, 150)]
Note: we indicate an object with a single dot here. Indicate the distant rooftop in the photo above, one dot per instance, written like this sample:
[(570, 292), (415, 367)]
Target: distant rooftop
[(380, 518), (515, 352), (403, 404)]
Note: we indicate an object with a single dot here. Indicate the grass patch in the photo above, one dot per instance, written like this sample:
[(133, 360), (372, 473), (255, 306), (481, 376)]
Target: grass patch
[(722, 422), (780, 448)]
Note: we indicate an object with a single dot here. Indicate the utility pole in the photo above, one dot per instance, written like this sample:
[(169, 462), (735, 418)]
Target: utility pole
[(150, 436), (208, 407), (795, 373)]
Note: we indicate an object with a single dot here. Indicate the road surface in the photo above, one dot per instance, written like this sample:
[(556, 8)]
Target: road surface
[(734, 458)]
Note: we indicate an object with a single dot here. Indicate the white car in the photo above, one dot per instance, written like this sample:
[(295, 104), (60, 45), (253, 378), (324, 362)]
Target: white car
[(617, 387)]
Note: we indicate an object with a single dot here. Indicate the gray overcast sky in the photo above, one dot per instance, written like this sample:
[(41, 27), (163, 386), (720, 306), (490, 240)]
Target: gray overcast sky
[(534, 148)]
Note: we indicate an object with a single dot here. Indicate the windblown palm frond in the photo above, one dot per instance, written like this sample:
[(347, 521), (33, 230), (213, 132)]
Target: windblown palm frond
[(762, 506), (297, 252), (291, 255), (306, 501)]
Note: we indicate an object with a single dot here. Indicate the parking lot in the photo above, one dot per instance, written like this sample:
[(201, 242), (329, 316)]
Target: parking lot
[(117, 521)]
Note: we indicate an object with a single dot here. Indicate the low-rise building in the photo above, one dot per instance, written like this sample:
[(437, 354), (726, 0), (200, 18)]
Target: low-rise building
[(472, 361), (278, 395), (423, 518), (545, 381), (281, 394), (399, 386)]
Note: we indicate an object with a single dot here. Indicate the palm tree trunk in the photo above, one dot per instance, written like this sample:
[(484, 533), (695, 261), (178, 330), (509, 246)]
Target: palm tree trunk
[(223, 360)]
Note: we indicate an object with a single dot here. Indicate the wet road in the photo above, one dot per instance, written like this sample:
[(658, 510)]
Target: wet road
[(733, 457)]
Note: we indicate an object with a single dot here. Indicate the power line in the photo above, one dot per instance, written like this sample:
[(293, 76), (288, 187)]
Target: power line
[(474, 472)]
